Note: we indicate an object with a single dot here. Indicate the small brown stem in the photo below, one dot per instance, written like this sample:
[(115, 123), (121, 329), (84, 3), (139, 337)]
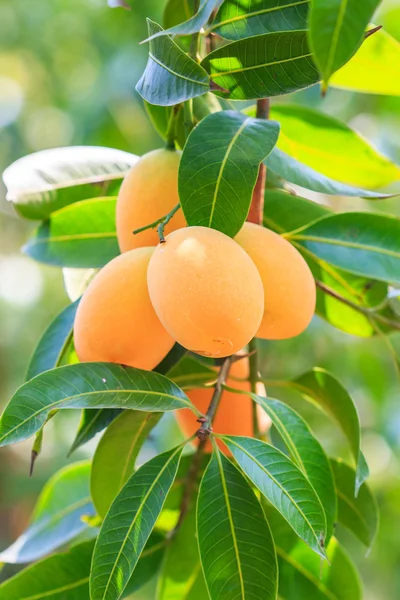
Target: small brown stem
[(257, 204), (205, 429), (253, 378)]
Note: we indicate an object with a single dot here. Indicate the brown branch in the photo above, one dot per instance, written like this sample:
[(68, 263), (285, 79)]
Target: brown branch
[(206, 427), (257, 204)]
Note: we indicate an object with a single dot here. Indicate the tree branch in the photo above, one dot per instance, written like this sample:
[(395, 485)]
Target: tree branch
[(206, 426)]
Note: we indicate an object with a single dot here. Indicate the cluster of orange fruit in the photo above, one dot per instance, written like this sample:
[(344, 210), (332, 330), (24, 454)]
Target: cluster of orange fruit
[(210, 293)]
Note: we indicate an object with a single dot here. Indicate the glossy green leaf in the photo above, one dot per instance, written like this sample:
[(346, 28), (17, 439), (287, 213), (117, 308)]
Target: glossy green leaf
[(236, 547), (264, 65), (337, 30), (359, 514), (171, 76), (129, 523), (237, 19), (193, 24), (284, 485), (306, 452), (302, 575), (62, 576), (149, 563), (296, 172), (375, 68), (284, 212), (219, 168), (331, 147), (327, 393), (181, 576), (57, 516), (51, 348), (86, 385), (115, 456), (177, 10), (366, 244), (95, 420), (160, 118), (45, 181), (92, 422), (82, 235)]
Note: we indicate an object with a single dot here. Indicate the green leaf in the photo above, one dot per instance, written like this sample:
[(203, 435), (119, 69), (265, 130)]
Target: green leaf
[(190, 373), (171, 76), (219, 168), (236, 547), (193, 24), (51, 348), (284, 212), (129, 523), (92, 422), (149, 563), (160, 118), (366, 244), (375, 69), (284, 485), (306, 452), (237, 19), (360, 515), (86, 385), (176, 9), (264, 65), (115, 456), (302, 576), (331, 147), (181, 576), (57, 516), (64, 575), (82, 235), (292, 170), (326, 392), (45, 181), (337, 31)]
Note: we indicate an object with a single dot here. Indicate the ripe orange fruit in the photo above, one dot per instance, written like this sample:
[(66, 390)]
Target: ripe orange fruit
[(148, 192), (206, 291), (115, 321), (289, 286)]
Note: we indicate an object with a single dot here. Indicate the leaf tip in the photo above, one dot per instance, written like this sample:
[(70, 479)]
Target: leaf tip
[(370, 32), (34, 455)]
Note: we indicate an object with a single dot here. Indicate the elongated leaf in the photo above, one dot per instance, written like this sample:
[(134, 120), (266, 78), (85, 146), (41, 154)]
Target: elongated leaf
[(366, 244), (237, 19), (149, 563), (284, 212), (176, 10), (82, 235), (129, 523), (284, 485), (45, 181), (171, 76), (327, 393), (115, 456), (337, 31), (292, 170), (57, 516), (86, 385), (331, 147), (375, 68), (236, 546), (181, 576), (193, 24), (64, 575), (306, 452), (302, 576), (219, 168), (50, 350), (360, 514), (92, 422), (190, 373), (264, 65)]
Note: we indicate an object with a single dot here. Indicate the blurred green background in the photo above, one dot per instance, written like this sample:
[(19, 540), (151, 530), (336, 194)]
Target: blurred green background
[(67, 74)]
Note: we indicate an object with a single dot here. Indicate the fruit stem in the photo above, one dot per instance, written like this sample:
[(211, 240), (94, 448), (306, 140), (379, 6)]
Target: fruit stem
[(159, 223), (206, 428), (257, 204), (253, 378)]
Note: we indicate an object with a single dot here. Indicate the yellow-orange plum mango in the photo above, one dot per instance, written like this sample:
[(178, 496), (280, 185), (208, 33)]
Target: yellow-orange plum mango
[(289, 287), (234, 415), (115, 321), (148, 192), (206, 291)]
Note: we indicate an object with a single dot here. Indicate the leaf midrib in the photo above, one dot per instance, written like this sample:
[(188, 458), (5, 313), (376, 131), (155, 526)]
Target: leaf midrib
[(70, 238), (59, 590), (299, 567), (347, 244), (255, 67), (257, 13), (335, 36), (184, 77)]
